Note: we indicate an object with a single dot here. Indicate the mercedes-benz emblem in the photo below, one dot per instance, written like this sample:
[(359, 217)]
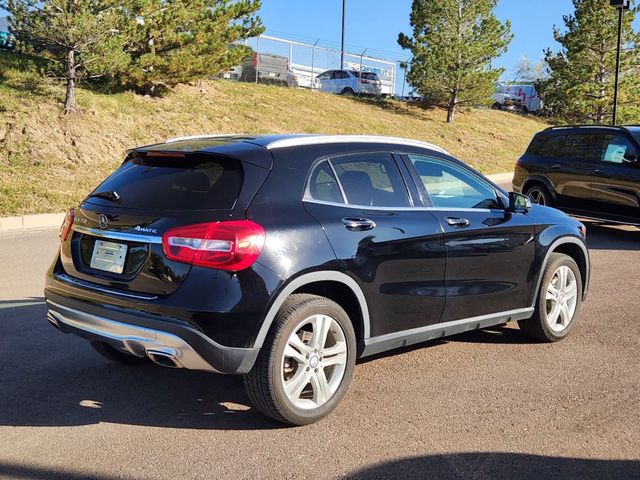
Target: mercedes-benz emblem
[(103, 222)]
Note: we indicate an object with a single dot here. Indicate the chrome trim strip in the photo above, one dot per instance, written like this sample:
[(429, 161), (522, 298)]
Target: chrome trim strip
[(138, 341), (328, 139), (63, 277), (603, 220), (393, 340), (113, 235), (400, 209)]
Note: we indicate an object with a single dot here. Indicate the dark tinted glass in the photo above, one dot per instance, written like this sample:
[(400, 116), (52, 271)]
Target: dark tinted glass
[(371, 180), (365, 75), (323, 185), (175, 183), (580, 147)]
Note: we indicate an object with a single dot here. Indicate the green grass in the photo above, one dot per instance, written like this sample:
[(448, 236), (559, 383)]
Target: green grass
[(49, 161)]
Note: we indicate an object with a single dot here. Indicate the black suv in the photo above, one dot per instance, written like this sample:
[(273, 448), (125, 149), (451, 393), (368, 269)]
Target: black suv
[(286, 258), (589, 171)]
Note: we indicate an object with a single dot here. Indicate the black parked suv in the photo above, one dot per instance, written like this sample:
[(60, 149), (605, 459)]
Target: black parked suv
[(286, 258), (589, 171)]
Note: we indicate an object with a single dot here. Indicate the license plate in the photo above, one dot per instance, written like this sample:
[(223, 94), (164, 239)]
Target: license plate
[(108, 256), (226, 75)]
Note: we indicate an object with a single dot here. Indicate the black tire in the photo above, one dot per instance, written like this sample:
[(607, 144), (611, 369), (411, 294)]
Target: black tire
[(539, 194), (538, 326), (265, 383), (117, 356), (347, 92)]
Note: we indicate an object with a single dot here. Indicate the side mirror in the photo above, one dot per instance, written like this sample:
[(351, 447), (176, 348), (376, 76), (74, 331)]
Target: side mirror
[(518, 203)]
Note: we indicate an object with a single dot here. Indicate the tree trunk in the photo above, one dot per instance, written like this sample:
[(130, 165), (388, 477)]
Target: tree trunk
[(451, 108), (70, 98)]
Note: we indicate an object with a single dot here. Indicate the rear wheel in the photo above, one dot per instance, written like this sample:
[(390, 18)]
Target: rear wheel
[(347, 91), (539, 194), (117, 356), (558, 300), (306, 363)]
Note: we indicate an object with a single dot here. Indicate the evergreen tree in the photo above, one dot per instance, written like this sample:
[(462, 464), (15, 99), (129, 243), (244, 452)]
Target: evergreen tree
[(79, 37), (582, 74), (175, 41), (453, 44)]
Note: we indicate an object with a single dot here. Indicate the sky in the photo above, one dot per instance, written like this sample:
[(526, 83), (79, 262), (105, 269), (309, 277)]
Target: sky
[(375, 24)]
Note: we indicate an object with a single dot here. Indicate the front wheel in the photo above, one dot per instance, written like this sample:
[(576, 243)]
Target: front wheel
[(540, 195), (306, 363), (558, 300)]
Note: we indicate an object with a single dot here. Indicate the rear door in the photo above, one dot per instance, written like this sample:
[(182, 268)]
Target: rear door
[(394, 251), (489, 251), (117, 232), (616, 181), (569, 162)]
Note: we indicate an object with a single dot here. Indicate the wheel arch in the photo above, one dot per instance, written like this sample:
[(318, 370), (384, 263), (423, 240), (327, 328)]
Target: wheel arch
[(533, 179), (574, 248), (336, 286)]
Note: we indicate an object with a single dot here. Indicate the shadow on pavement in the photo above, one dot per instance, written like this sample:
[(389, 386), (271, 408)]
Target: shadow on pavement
[(50, 378), (500, 465), (460, 466), (601, 237)]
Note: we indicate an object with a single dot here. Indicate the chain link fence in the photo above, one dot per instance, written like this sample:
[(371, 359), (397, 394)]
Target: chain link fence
[(306, 61)]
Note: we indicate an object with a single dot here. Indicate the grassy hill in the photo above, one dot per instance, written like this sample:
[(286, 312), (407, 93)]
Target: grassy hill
[(49, 161)]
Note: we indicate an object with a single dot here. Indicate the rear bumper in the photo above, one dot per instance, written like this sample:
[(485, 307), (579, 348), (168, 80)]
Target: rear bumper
[(163, 341)]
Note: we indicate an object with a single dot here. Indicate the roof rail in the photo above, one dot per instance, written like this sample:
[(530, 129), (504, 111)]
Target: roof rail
[(324, 139), (566, 127), (200, 137)]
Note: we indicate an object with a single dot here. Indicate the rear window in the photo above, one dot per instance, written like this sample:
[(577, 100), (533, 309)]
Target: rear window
[(174, 183)]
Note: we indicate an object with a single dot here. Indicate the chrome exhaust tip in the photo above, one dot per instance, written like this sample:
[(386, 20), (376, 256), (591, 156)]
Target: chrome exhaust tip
[(163, 358)]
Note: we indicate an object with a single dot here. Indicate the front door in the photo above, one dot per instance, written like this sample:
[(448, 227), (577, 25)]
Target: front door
[(394, 252), (615, 186), (489, 251)]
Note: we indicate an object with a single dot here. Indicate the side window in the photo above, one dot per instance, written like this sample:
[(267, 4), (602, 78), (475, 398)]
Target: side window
[(551, 146), (451, 186), (584, 147), (615, 148), (324, 76), (323, 185), (371, 180)]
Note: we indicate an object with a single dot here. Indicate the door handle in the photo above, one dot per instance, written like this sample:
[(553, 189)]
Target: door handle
[(597, 170), (457, 222), (358, 224), (556, 166)]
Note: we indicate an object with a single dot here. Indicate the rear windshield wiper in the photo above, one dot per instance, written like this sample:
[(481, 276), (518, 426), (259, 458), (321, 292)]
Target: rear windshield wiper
[(111, 196)]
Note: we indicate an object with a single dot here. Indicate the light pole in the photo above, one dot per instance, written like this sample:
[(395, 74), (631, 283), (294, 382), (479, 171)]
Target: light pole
[(621, 5), (344, 8)]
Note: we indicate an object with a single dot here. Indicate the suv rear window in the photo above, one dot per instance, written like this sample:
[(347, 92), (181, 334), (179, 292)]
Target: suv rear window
[(174, 183)]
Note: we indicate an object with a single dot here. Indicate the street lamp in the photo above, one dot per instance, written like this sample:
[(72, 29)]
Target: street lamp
[(344, 8), (621, 5)]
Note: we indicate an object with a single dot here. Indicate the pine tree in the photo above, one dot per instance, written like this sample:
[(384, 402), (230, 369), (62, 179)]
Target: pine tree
[(582, 74), (176, 41), (78, 36), (453, 44)]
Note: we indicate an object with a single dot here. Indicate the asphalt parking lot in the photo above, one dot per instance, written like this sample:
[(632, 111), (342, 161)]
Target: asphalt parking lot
[(482, 405)]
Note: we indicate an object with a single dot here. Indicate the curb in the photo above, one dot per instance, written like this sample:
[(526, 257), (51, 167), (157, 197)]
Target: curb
[(45, 220), (24, 222)]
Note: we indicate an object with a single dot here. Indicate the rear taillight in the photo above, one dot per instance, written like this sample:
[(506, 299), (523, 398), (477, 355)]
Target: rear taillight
[(65, 228), (233, 245), (254, 61)]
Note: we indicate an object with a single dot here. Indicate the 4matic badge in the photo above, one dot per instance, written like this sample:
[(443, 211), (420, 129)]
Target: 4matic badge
[(145, 229)]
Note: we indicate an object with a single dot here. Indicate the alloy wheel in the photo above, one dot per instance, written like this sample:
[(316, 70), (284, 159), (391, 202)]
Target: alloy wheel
[(561, 299), (313, 362), (537, 196)]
